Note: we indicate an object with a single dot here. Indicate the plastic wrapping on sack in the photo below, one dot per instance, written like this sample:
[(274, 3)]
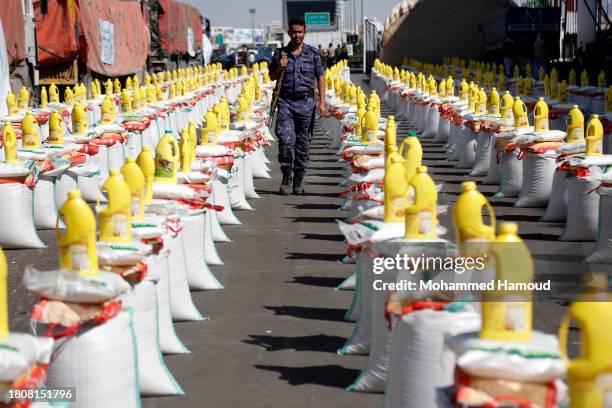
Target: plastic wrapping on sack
[(494, 173), (443, 131), (45, 211), (354, 309), (111, 381), (211, 255), (539, 171), (582, 209), (431, 121), (20, 351), (511, 175), (466, 148), (420, 361), (556, 211), (66, 286), (220, 197), (482, 158), (168, 340), (452, 140), (199, 276), (218, 235), (360, 340), (236, 186), (181, 303), (348, 283), (258, 165), (602, 253), (537, 360), (122, 253), (17, 228), (154, 376), (249, 187)]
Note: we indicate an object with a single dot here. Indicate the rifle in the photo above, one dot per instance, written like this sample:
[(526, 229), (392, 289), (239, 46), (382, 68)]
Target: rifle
[(277, 89)]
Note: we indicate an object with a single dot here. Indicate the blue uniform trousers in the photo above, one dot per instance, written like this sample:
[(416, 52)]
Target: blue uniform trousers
[(294, 127)]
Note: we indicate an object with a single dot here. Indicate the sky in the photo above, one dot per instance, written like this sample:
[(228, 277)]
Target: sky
[(235, 13)]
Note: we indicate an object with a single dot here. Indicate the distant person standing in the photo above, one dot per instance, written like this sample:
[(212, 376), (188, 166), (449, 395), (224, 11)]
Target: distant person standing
[(337, 56), (303, 72), (322, 55), (344, 52), (330, 55)]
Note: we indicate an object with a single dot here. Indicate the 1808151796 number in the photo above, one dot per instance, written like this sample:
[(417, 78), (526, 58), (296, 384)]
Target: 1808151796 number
[(60, 394)]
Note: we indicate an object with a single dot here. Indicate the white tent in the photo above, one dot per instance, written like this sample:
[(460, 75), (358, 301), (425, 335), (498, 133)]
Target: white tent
[(430, 30)]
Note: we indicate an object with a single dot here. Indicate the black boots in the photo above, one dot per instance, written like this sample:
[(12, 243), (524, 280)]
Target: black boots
[(285, 188), (297, 184)]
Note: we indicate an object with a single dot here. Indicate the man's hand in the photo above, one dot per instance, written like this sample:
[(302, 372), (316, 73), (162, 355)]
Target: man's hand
[(284, 60), (322, 108)]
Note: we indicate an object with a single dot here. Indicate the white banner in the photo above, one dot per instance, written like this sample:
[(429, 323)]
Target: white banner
[(107, 42), (5, 85)]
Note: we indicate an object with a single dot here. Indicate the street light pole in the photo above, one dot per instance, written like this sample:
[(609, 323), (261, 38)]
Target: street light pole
[(252, 13)]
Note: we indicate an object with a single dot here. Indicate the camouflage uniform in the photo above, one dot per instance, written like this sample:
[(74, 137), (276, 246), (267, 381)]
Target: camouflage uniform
[(296, 107)]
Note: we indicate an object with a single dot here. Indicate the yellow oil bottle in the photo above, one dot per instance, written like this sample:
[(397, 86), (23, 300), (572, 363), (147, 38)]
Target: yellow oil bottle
[(11, 103), (528, 87), (584, 78), (147, 164), (540, 116), (575, 125), (493, 104), (464, 90), (10, 144), (481, 105), (594, 137), (516, 72), (520, 86), (185, 148), (116, 86), (77, 245), (56, 130), (68, 96), (563, 94), (370, 127), (167, 159), (115, 218), (501, 81), (467, 215), (126, 101), (135, 179), (396, 190), (29, 132), (24, 98), (44, 98), (432, 87), (53, 93), (128, 83), (243, 110), (360, 113), (210, 133), (79, 120), (541, 74), (390, 134), (507, 314), (193, 139), (412, 153), (589, 374), (442, 89), (601, 79), (421, 215), (450, 87), (519, 111), (108, 111)]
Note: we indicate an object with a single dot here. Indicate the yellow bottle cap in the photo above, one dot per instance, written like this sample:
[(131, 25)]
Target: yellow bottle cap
[(422, 169), (74, 193), (114, 172), (508, 228), (468, 186)]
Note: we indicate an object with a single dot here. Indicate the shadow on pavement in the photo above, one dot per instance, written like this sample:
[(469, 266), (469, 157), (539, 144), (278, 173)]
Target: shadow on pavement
[(323, 237), (314, 257), (312, 313), (327, 375), (318, 281), (320, 342)]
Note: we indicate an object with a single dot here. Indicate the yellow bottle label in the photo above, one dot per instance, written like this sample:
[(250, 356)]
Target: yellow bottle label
[(107, 117), (494, 109), (54, 136), (426, 222), (77, 127), (135, 206), (577, 134), (516, 313), (398, 206), (522, 122), (125, 107), (30, 140), (79, 257), (604, 382), (120, 225), (371, 136), (211, 136), (544, 124)]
